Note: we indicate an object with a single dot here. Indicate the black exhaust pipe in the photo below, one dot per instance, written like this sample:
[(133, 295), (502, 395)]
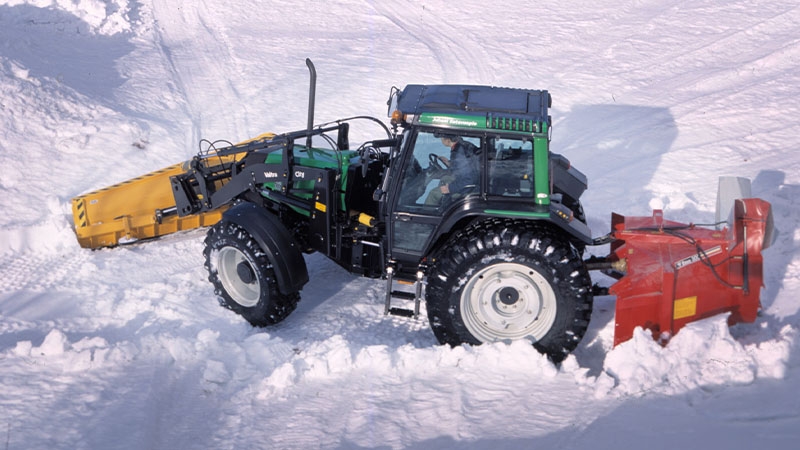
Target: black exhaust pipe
[(312, 90)]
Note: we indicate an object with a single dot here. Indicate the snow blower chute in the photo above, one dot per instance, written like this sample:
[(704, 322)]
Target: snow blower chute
[(672, 273)]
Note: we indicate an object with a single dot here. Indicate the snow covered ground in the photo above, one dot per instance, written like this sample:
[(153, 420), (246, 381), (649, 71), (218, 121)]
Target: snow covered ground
[(127, 348)]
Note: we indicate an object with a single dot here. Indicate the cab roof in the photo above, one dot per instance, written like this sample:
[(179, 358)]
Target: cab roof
[(485, 101)]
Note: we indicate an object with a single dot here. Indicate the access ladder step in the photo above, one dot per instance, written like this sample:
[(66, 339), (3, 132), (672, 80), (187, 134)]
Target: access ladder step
[(404, 295), (402, 312), (391, 293)]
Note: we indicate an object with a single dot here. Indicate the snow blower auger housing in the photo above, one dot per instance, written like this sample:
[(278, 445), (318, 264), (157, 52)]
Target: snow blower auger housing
[(677, 273), (459, 202)]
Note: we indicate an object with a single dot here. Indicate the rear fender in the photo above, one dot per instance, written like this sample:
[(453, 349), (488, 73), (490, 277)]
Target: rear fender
[(476, 209), (282, 251)]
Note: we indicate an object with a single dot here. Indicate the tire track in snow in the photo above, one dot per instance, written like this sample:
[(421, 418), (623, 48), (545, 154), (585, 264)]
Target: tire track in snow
[(175, 81), (729, 53), (461, 58), (784, 23), (204, 72), (29, 271)]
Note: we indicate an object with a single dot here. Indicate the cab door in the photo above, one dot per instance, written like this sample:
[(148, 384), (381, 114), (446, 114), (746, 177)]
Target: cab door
[(417, 204)]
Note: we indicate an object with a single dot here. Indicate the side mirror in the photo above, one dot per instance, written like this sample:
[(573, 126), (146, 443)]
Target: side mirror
[(392, 103)]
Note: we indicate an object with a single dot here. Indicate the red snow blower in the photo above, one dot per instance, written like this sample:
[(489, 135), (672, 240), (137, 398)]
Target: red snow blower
[(672, 273)]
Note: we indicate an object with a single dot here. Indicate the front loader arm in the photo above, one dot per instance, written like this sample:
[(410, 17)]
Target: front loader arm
[(194, 193), (216, 179)]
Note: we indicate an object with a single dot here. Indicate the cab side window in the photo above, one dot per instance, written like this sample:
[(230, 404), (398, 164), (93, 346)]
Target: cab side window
[(511, 168)]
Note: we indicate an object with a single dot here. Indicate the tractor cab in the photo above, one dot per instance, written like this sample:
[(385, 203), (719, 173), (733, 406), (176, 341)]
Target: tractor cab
[(472, 152)]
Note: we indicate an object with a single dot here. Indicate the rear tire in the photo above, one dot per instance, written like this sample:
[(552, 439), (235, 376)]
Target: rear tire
[(242, 276), (503, 280)]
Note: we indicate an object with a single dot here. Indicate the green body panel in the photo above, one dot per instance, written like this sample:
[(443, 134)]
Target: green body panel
[(503, 212), (541, 170), (318, 159)]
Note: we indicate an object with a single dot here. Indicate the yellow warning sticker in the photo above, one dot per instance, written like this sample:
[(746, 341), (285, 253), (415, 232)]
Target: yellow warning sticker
[(684, 307), (321, 206)]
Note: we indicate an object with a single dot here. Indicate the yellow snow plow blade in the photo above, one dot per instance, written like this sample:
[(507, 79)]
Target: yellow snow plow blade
[(134, 209)]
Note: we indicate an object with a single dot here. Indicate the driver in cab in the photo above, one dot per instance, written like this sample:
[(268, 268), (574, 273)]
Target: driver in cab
[(462, 168)]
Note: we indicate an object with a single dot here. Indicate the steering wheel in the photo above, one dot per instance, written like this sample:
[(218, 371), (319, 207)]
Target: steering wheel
[(435, 162)]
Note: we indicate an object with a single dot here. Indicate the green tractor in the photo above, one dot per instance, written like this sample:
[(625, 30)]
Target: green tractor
[(461, 198), (459, 202)]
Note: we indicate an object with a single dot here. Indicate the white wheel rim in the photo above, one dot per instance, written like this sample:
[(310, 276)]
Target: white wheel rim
[(242, 292), (508, 301)]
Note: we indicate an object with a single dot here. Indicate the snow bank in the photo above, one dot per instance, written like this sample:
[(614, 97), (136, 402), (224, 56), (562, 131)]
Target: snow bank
[(338, 358), (702, 355), (57, 352), (102, 16)]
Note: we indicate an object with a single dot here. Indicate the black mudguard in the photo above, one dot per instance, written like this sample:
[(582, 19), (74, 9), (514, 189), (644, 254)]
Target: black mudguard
[(282, 251)]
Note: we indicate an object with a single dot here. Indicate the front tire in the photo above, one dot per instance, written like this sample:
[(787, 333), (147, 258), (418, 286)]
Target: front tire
[(504, 280), (242, 276)]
